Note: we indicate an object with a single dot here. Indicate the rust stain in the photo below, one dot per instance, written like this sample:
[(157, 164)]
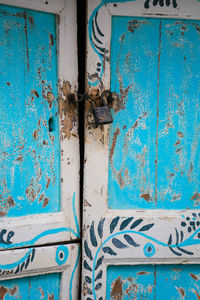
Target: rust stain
[(86, 203), (46, 201), (194, 276), (116, 291), (146, 197), (3, 292), (51, 43), (6, 200), (67, 111), (13, 291), (26, 34), (181, 291), (114, 141), (8, 83), (48, 182), (30, 18), (35, 135), (41, 197), (51, 39), (197, 294), (10, 201), (143, 273), (178, 151), (50, 98), (195, 197), (34, 92), (177, 143), (132, 25), (180, 134), (51, 297), (42, 292), (130, 279)]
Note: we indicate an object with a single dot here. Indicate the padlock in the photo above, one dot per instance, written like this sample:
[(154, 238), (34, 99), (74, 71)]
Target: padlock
[(102, 114)]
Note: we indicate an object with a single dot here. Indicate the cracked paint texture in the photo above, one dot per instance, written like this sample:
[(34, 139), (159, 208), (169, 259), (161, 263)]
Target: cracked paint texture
[(154, 140), (29, 141)]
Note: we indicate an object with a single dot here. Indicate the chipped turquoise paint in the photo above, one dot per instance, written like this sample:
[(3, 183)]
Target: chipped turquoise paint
[(98, 43), (154, 282), (62, 254), (29, 152), (154, 159), (32, 288)]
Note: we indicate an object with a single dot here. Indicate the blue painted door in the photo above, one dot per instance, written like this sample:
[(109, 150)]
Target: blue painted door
[(142, 217), (35, 148)]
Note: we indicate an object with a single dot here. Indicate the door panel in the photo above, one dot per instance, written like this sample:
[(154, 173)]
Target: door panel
[(40, 273), (141, 202), (39, 201), (153, 156), (29, 147)]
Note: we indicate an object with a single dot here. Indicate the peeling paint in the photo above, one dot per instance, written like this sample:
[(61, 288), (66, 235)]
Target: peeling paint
[(116, 291), (67, 111)]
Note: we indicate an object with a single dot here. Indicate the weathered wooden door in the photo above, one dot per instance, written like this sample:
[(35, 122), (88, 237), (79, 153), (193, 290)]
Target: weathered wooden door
[(141, 202), (39, 150)]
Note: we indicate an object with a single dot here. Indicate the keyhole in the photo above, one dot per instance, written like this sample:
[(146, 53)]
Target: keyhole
[(51, 124)]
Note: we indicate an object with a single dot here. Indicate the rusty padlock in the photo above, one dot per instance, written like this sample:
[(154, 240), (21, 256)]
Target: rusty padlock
[(102, 114)]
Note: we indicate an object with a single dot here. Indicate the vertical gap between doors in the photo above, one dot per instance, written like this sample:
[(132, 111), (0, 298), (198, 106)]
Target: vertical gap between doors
[(81, 36)]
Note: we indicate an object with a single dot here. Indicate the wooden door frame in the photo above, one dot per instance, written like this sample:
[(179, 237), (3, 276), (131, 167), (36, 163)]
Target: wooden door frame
[(64, 225)]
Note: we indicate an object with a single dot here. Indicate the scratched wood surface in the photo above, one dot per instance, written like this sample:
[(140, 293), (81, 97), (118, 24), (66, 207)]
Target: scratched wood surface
[(35, 287), (29, 140), (154, 140), (153, 282)]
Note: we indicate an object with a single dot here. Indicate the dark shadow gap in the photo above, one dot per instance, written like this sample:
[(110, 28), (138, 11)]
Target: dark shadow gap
[(81, 36)]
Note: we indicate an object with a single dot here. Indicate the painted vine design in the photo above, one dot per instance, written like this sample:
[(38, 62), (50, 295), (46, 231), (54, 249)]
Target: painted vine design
[(123, 234)]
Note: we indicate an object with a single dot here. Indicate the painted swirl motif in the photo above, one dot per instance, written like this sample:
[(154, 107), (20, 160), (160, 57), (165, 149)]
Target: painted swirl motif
[(123, 234)]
